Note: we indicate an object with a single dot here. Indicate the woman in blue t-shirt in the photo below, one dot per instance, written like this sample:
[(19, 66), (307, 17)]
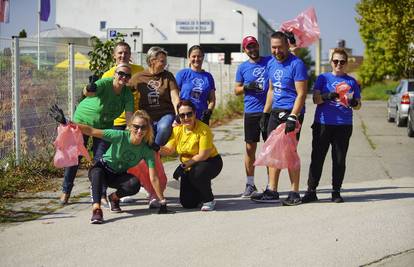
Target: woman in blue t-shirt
[(332, 125), (197, 85)]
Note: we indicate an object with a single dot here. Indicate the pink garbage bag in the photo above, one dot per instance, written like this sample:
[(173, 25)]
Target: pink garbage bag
[(279, 150), (69, 145), (304, 27), (141, 172), (342, 89)]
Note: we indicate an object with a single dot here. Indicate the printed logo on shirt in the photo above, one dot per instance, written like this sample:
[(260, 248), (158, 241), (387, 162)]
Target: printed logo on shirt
[(197, 89), (153, 95), (259, 73), (277, 85)]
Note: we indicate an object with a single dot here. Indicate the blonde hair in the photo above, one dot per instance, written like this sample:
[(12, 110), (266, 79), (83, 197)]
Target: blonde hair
[(142, 114), (123, 65), (153, 52)]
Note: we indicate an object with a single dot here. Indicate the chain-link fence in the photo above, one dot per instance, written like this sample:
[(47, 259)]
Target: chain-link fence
[(46, 76)]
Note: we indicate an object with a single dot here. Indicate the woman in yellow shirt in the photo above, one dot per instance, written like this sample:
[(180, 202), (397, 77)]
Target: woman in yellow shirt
[(200, 161)]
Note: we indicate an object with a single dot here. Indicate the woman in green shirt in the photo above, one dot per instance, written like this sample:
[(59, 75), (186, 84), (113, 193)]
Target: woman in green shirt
[(127, 149)]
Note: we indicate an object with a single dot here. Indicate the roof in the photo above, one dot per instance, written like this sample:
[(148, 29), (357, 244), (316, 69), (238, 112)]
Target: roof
[(63, 32)]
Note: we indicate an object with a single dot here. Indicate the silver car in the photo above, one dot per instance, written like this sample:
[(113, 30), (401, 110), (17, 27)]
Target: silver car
[(399, 102)]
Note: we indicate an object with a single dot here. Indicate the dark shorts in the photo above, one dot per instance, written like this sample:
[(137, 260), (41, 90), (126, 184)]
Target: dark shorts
[(252, 128), (279, 116)]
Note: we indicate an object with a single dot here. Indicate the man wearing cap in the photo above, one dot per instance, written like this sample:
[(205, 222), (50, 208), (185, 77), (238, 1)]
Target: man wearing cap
[(285, 103), (252, 81)]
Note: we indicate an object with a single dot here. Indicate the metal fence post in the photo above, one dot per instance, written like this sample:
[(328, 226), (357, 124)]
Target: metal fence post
[(71, 81), (221, 85), (229, 77), (16, 97)]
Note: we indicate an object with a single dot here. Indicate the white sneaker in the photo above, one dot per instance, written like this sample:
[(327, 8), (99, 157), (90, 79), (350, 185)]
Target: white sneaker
[(127, 199), (153, 203), (209, 206)]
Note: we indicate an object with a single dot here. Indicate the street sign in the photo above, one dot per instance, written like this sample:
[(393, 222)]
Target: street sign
[(132, 36)]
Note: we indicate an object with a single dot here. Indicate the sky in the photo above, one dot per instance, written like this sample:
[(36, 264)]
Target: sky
[(336, 19)]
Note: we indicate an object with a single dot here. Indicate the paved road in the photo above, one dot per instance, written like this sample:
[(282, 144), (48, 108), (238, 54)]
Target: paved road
[(374, 226)]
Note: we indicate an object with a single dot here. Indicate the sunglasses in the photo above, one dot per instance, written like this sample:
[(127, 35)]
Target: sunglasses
[(336, 61), (188, 115), (137, 127), (124, 74)]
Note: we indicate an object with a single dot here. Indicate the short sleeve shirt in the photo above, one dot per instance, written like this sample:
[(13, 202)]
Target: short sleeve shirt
[(196, 87), (155, 91), (331, 112), (110, 73), (248, 72), (283, 76), (99, 111), (122, 155), (189, 143)]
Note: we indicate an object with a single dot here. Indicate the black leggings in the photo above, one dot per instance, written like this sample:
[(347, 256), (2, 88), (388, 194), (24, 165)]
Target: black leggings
[(195, 187), (324, 135), (102, 175)]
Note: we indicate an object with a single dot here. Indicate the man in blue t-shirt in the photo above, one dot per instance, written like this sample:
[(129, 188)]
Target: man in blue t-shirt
[(285, 103), (252, 81)]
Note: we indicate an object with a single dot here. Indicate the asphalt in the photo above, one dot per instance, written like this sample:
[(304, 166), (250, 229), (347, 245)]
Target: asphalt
[(374, 227)]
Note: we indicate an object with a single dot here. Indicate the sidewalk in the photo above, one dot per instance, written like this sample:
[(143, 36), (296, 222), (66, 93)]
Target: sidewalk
[(374, 226)]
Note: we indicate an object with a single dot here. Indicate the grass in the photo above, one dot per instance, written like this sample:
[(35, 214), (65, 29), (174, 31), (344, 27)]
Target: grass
[(377, 91), (231, 110)]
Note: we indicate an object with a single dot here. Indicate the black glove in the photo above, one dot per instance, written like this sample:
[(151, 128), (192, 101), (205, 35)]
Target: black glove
[(290, 123), (264, 121), (291, 38), (154, 146), (329, 96), (256, 86), (179, 172), (205, 116), (353, 102), (177, 119), (91, 87), (57, 114)]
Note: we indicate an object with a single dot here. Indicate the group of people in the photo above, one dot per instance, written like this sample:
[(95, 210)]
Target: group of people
[(134, 113)]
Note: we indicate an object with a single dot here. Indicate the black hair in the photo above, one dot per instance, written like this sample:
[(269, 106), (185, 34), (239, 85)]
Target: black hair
[(195, 47), (188, 103), (280, 35)]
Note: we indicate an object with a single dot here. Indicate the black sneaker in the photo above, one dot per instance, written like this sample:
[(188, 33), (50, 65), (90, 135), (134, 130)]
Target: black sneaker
[(113, 205), (97, 216), (336, 197), (310, 196), (249, 191), (293, 199), (268, 196)]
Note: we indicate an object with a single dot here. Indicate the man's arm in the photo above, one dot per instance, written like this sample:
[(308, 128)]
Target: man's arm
[(269, 99), (301, 90), (238, 89)]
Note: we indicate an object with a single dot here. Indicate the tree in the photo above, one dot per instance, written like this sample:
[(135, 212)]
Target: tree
[(22, 34), (101, 58), (387, 29)]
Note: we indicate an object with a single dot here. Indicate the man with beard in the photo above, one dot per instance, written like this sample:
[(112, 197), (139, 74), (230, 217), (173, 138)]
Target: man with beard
[(285, 103), (252, 81)]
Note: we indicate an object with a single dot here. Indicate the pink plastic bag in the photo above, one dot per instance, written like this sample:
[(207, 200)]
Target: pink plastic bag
[(304, 27), (142, 173), (279, 150), (69, 145), (342, 89)]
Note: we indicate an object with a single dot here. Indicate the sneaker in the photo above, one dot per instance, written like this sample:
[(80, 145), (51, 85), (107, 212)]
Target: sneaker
[(249, 191), (114, 205), (309, 196), (209, 206), (268, 196), (127, 199), (336, 197), (153, 203), (64, 198), (97, 216), (293, 199)]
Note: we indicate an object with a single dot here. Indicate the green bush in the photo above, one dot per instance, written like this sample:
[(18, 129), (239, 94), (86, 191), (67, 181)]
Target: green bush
[(232, 109), (377, 91)]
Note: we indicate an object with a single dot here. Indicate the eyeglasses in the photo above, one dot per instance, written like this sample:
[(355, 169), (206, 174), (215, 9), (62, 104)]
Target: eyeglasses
[(137, 127), (188, 115), (336, 61), (124, 74)]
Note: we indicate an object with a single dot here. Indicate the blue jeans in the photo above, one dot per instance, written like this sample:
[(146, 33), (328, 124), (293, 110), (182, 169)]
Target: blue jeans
[(163, 129), (99, 148)]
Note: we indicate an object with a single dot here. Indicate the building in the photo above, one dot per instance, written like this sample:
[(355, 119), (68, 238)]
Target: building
[(171, 24)]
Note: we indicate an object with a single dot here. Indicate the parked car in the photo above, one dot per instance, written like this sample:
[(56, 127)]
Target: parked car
[(410, 120), (399, 102)]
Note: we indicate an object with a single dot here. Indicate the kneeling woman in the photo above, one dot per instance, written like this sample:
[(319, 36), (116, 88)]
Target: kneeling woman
[(127, 149), (200, 161)]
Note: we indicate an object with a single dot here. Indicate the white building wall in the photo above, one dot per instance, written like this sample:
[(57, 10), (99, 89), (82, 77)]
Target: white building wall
[(162, 15)]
